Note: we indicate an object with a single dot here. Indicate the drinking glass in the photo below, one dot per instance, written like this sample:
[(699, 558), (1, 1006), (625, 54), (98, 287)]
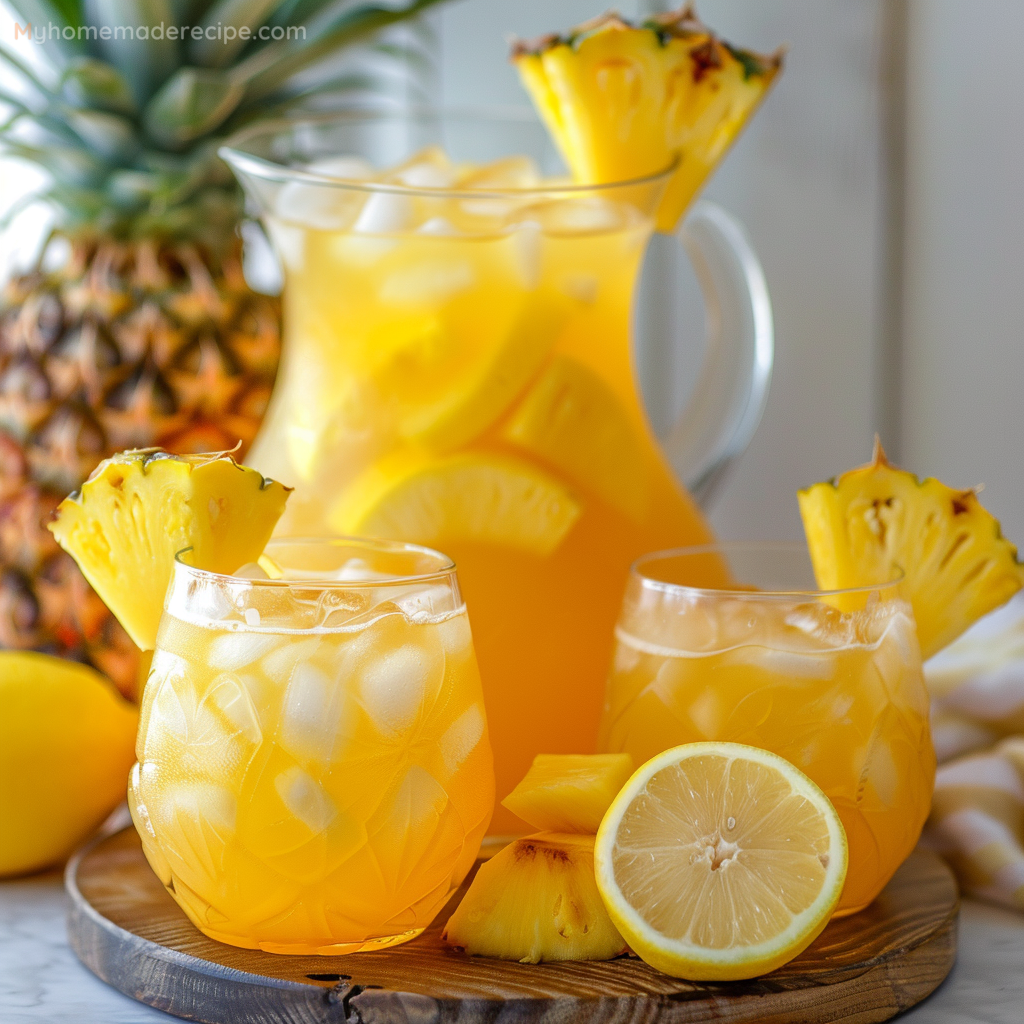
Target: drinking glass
[(314, 772), (831, 681), (458, 372)]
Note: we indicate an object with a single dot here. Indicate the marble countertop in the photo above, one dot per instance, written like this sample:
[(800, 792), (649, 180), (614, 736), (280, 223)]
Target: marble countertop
[(40, 979)]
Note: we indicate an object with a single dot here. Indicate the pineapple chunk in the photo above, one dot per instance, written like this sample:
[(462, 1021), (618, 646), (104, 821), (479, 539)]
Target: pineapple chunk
[(142, 507), (876, 521), (536, 901), (569, 792), (623, 101)]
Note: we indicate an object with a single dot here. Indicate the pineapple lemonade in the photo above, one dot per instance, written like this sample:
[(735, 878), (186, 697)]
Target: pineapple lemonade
[(832, 683), (314, 773), (458, 373)]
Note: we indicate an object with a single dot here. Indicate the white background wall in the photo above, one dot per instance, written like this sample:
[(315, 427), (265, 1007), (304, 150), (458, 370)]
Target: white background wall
[(963, 314)]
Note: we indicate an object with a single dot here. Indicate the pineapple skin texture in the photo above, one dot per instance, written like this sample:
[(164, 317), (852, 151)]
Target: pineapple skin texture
[(569, 792), (876, 521), (67, 742), (141, 507), (625, 101), (536, 901), (128, 344)]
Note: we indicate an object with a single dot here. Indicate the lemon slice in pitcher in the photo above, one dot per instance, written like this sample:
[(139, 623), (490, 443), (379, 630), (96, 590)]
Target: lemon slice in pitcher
[(482, 499), (571, 419), (451, 382), (719, 861)]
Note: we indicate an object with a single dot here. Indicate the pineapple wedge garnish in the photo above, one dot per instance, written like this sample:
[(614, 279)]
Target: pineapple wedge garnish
[(569, 792), (142, 507), (536, 901), (876, 521), (625, 100)]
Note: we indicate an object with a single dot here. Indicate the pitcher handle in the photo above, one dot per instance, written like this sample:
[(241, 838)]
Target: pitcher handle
[(725, 409)]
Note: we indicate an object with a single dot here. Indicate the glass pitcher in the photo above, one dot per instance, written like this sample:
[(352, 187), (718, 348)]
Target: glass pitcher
[(458, 372)]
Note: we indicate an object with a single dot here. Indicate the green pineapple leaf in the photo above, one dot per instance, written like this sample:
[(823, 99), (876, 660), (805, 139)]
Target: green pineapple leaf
[(191, 104), (144, 63), (88, 82)]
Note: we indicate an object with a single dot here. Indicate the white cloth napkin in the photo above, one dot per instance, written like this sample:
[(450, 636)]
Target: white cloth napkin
[(977, 818)]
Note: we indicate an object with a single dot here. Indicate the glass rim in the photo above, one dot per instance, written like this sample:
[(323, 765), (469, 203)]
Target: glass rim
[(723, 547), (269, 170), (445, 571)]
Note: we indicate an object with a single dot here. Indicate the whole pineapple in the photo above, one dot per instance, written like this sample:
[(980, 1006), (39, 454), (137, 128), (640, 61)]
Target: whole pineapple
[(137, 328)]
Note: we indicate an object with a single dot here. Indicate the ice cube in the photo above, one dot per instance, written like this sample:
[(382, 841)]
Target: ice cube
[(279, 665), (234, 649), (317, 206), (289, 241), (384, 213), (251, 571), (456, 635), (527, 249), (437, 226), (512, 172), (394, 684), (235, 705), (429, 168), (305, 798), (582, 215), (430, 281), (422, 604), (169, 715), (459, 739), (312, 716), (581, 287), (349, 168)]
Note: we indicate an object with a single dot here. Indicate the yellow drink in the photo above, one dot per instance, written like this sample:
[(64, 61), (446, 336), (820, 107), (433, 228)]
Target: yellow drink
[(314, 769), (458, 373), (839, 694)]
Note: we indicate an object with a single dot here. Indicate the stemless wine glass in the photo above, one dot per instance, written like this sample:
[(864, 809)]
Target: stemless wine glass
[(314, 772), (831, 681)]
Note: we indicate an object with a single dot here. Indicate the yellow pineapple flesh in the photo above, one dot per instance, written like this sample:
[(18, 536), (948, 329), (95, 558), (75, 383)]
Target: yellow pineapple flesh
[(142, 507), (536, 901), (625, 100), (876, 521), (569, 792)]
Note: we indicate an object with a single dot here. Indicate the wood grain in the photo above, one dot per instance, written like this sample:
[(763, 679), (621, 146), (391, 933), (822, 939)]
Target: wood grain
[(125, 927)]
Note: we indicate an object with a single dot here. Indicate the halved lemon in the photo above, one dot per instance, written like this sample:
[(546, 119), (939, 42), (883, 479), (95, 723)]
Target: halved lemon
[(475, 498), (719, 861)]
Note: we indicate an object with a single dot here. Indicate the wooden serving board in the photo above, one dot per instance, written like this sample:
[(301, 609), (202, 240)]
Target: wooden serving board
[(126, 928)]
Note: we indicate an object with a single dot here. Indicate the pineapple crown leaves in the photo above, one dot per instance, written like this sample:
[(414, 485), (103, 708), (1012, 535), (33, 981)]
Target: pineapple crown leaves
[(128, 126), (679, 24)]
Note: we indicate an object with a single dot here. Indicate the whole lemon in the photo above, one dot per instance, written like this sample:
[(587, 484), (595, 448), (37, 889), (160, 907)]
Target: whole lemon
[(66, 744)]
